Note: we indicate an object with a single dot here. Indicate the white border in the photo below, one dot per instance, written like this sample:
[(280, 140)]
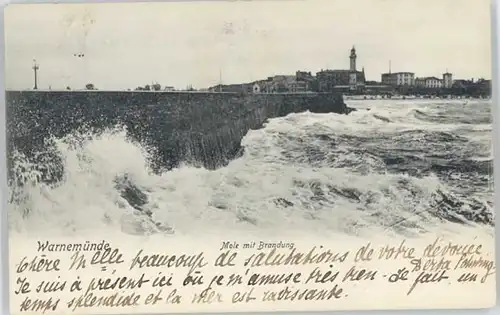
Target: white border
[(4, 274)]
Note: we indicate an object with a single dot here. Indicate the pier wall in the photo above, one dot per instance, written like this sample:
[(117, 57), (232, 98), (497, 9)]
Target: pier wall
[(180, 126)]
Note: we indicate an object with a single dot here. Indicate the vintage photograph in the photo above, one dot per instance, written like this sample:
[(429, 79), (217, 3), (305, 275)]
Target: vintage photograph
[(356, 117), (219, 156)]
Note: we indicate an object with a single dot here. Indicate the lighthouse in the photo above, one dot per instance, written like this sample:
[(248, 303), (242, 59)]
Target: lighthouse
[(353, 59), (353, 75)]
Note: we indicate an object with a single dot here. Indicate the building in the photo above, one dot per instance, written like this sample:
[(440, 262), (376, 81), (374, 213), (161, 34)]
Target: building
[(232, 88), (398, 78), (275, 84), (305, 81), (329, 80), (429, 82), (479, 88), (256, 88), (377, 88), (460, 84), (300, 86), (447, 80), (433, 83), (263, 86), (280, 84), (304, 76), (420, 82)]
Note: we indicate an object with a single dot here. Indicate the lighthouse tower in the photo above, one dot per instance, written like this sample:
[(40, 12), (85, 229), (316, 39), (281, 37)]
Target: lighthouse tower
[(353, 59), (352, 69)]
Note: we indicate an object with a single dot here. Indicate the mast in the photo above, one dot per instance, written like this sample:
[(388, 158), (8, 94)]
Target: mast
[(35, 72), (220, 80)]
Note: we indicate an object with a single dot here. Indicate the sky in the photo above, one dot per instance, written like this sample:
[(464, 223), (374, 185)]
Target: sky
[(203, 43)]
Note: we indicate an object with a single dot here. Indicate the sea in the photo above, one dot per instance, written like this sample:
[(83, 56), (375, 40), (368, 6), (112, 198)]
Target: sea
[(398, 167)]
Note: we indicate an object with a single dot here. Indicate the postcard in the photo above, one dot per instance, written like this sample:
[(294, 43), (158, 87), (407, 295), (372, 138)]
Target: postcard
[(249, 156)]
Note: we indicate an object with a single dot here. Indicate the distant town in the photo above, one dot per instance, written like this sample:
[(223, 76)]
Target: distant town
[(347, 81), (353, 82)]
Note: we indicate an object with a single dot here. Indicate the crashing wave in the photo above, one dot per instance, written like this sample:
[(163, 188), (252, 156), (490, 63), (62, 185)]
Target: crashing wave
[(305, 171)]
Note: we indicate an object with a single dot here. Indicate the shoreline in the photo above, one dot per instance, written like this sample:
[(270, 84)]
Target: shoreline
[(411, 98), (309, 93)]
